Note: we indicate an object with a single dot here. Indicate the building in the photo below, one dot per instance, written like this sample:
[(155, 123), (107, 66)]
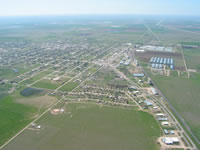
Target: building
[(160, 115), (172, 67), (151, 60), (153, 90), (170, 140), (165, 123), (56, 79), (161, 61), (140, 50), (158, 60), (138, 74), (162, 119), (148, 103), (166, 131), (167, 141)]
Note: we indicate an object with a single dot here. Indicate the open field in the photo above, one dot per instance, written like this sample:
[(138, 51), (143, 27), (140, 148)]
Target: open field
[(184, 95), (4, 89), (69, 86), (12, 72), (90, 126), (36, 77), (47, 84), (192, 57), (14, 117), (39, 102)]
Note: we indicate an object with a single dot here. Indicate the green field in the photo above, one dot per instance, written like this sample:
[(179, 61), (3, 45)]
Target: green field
[(14, 117), (37, 77), (9, 73), (184, 95), (192, 57), (69, 86), (47, 84), (89, 127), (4, 90)]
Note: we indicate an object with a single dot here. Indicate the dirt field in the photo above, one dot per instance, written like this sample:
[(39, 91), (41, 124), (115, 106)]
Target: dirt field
[(146, 56), (43, 101)]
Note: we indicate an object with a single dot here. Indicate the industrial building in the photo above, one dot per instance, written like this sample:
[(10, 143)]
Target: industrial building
[(170, 140), (160, 62)]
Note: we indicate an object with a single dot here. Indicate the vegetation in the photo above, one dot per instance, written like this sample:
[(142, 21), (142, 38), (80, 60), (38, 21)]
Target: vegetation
[(37, 77), (13, 118), (69, 86), (184, 95), (90, 126), (192, 57), (47, 84)]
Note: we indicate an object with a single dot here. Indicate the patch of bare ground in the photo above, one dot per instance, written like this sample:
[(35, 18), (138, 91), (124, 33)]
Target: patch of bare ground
[(44, 101), (146, 56)]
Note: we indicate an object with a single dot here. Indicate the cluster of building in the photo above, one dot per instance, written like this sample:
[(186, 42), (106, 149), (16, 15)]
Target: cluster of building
[(156, 48), (160, 62)]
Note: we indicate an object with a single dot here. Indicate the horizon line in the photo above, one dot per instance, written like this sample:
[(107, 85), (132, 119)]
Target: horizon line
[(101, 14)]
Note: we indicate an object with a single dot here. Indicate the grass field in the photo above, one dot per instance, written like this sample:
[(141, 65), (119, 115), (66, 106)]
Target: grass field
[(47, 84), (9, 73), (37, 77), (192, 57), (89, 127), (69, 86), (14, 117), (184, 95), (4, 90)]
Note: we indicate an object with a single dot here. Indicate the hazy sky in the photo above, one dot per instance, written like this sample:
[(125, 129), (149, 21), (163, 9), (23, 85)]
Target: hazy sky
[(46, 7)]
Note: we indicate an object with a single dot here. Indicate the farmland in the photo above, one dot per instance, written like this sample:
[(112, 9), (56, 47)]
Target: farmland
[(14, 117), (185, 99), (81, 128), (192, 57)]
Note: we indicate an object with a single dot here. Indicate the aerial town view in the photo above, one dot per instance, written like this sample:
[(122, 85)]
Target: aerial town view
[(99, 82)]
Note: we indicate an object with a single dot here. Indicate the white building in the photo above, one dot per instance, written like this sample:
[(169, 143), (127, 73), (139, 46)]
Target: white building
[(170, 140), (165, 123)]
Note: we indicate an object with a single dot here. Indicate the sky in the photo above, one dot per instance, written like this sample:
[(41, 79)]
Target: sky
[(65, 7)]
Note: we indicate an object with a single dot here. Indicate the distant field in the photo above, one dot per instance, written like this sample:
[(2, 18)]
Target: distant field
[(191, 43), (89, 127), (192, 57), (184, 95), (37, 77), (12, 72), (172, 35)]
